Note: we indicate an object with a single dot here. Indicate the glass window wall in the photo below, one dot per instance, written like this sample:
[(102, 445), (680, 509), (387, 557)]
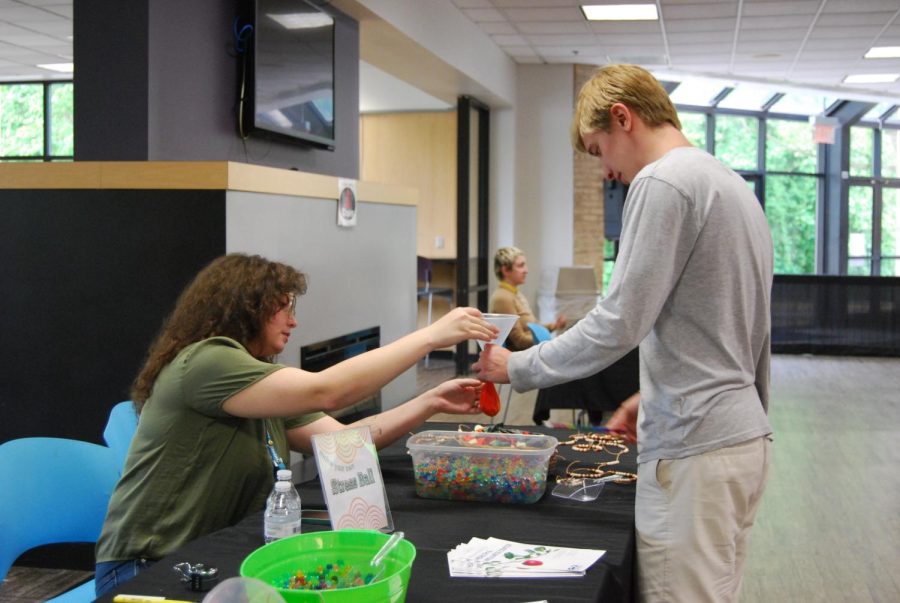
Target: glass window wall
[(737, 141), (36, 121)]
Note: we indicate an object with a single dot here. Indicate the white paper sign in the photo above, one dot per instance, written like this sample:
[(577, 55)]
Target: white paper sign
[(351, 479)]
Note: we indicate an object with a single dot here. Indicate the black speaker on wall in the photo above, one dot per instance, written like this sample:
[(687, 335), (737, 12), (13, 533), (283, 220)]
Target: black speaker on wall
[(614, 193)]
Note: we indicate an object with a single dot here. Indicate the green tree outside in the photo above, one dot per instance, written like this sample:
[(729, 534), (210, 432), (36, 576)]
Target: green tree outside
[(737, 141), (890, 232), (859, 231), (22, 121), (862, 152), (62, 119), (792, 197), (791, 212), (693, 125)]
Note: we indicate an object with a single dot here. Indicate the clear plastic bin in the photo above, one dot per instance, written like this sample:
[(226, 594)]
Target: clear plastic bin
[(487, 467)]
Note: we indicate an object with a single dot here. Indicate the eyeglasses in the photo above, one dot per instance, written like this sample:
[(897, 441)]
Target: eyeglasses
[(291, 306)]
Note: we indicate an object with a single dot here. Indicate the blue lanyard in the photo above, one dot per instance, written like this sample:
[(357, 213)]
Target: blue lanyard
[(276, 459)]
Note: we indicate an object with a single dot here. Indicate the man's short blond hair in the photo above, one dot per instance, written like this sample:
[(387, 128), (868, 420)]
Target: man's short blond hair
[(505, 258), (630, 85)]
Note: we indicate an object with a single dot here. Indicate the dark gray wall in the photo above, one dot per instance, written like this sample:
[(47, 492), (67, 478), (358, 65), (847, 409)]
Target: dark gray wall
[(87, 278), (111, 87), (158, 80)]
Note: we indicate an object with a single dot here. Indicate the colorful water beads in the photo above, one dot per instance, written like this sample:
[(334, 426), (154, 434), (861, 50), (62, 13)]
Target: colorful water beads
[(491, 478), (331, 576), (481, 466)]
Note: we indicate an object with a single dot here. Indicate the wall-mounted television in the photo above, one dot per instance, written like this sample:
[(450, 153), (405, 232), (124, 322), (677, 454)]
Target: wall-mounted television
[(291, 83)]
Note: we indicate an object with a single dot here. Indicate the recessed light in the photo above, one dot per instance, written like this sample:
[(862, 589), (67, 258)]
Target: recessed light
[(61, 67), (871, 78), (883, 52), (620, 12)]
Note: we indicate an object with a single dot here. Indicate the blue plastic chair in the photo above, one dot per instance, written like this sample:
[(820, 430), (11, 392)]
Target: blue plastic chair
[(119, 431), (539, 332), (81, 594), (54, 490)]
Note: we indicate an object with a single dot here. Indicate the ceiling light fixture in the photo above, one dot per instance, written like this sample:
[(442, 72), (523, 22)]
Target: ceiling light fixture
[(301, 20), (871, 78), (620, 12), (61, 67), (883, 52)]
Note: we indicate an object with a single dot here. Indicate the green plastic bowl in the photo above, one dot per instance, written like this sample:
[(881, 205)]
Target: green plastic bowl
[(275, 562)]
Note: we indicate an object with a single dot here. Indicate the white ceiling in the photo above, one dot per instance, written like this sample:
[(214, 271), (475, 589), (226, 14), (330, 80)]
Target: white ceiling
[(34, 32), (803, 43), (810, 43)]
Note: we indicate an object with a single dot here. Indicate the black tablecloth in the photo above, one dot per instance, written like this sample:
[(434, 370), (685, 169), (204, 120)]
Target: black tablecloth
[(436, 526), (603, 391)]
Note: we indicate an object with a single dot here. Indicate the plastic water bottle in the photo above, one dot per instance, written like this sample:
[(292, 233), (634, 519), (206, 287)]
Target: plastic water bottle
[(282, 517), (285, 475)]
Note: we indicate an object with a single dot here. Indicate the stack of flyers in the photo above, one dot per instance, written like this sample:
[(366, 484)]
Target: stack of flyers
[(495, 558)]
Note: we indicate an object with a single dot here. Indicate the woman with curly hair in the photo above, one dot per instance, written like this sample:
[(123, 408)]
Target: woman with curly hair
[(217, 415)]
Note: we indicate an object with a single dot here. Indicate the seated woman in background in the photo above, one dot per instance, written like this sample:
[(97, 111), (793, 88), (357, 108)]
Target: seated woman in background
[(217, 415), (511, 268)]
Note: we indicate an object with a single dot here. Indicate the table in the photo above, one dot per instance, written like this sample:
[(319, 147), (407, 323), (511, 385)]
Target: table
[(436, 526)]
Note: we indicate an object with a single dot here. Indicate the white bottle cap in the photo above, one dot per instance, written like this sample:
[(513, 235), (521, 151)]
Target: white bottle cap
[(283, 486), (284, 475)]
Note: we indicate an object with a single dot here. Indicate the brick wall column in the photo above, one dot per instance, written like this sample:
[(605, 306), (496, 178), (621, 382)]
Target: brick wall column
[(588, 206)]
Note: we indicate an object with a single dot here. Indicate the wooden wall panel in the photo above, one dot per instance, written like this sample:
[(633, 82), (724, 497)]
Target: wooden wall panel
[(416, 150)]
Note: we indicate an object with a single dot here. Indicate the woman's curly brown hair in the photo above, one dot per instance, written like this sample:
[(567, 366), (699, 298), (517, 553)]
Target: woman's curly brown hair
[(234, 296)]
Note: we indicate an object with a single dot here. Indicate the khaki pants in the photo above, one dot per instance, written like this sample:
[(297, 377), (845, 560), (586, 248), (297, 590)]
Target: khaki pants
[(693, 518)]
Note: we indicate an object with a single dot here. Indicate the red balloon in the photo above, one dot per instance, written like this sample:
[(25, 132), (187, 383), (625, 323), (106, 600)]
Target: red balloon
[(490, 400)]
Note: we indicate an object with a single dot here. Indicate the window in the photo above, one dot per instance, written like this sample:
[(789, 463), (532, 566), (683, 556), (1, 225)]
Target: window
[(609, 260), (800, 103), (890, 153), (890, 232), (62, 119), (747, 97), (862, 151), (859, 231), (36, 121), (765, 134), (790, 147), (792, 194), (791, 211), (696, 92), (872, 211), (875, 113), (789, 182), (21, 120), (737, 141), (693, 125)]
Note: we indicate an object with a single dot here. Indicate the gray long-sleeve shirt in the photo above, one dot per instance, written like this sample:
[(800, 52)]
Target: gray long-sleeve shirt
[(692, 286)]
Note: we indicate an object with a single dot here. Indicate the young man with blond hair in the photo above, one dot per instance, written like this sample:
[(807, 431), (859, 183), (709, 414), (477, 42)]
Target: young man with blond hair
[(691, 287)]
